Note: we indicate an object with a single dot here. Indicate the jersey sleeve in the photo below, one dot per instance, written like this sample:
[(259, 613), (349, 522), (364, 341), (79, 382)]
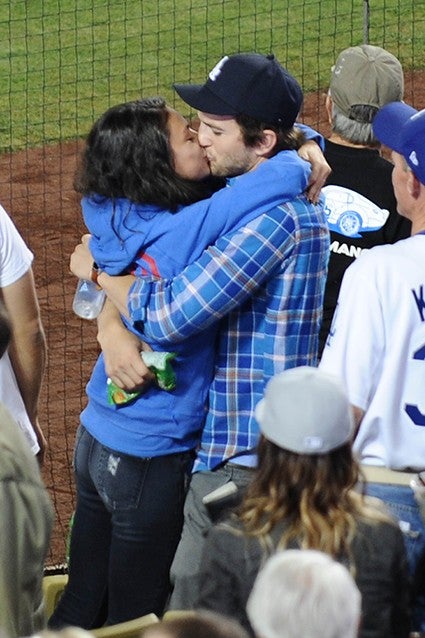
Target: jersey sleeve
[(354, 345)]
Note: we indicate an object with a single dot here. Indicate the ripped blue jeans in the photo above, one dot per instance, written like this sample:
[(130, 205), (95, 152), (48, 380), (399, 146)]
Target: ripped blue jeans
[(127, 525)]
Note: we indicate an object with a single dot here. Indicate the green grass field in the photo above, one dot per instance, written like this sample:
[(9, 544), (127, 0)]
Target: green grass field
[(64, 61)]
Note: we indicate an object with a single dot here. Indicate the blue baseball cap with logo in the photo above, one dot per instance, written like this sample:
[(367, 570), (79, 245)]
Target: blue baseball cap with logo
[(402, 128), (249, 84)]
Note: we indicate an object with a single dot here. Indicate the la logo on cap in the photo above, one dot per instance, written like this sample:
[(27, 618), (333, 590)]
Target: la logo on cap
[(217, 69), (413, 158)]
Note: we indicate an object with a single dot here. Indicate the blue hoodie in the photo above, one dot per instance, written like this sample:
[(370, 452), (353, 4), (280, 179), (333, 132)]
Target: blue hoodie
[(148, 241)]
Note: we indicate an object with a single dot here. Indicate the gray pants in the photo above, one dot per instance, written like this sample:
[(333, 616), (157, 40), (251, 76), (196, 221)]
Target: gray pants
[(185, 567)]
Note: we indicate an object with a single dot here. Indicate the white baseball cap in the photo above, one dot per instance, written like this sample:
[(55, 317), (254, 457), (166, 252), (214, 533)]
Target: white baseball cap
[(305, 410)]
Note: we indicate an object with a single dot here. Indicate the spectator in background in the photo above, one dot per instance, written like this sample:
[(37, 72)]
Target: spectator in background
[(302, 496), (303, 592), (22, 366), (25, 525), (363, 79), (377, 343)]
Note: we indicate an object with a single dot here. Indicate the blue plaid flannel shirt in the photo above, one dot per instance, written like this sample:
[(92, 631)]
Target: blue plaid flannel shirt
[(264, 284)]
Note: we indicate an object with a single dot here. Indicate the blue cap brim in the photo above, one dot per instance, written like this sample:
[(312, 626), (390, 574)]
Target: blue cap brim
[(388, 123), (199, 97)]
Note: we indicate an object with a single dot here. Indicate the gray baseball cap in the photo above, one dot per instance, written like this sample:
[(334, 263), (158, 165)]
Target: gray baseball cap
[(305, 410), (366, 75)]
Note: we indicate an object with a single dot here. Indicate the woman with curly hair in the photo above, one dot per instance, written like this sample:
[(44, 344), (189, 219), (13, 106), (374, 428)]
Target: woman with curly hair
[(148, 202), (304, 495)]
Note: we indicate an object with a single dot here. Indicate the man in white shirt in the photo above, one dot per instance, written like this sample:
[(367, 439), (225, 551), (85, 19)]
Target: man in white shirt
[(25, 523), (22, 366), (377, 341)]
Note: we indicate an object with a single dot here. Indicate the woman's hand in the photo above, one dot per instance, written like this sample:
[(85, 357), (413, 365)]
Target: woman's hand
[(320, 169)]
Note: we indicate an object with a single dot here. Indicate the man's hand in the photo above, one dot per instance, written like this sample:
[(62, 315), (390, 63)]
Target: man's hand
[(121, 350), (81, 260), (320, 169)]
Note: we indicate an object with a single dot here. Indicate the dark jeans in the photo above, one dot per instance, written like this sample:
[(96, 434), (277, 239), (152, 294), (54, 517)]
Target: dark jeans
[(127, 525)]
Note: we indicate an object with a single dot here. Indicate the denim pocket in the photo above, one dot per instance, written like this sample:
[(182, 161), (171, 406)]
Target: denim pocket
[(118, 477)]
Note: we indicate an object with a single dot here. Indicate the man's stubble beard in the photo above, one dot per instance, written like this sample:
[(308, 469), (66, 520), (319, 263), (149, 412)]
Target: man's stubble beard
[(232, 166)]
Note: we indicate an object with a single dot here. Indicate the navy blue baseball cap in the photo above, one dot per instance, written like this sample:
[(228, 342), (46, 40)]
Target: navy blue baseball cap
[(402, 128), (249, 84)]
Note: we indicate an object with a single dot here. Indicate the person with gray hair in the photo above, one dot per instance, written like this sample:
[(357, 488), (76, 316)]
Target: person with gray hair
[(304, 592), (359, 191)]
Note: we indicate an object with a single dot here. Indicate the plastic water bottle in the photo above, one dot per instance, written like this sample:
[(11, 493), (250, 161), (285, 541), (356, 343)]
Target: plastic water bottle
[(88, 299)]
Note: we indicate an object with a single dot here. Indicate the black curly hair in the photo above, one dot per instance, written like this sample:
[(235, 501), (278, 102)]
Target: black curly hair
[(128, 155)]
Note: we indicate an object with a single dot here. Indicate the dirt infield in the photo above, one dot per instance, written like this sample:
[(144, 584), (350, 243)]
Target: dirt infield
[(36, 189)]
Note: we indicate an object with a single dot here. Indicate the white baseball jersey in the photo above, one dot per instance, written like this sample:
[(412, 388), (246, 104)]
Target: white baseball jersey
[(377, 347)]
